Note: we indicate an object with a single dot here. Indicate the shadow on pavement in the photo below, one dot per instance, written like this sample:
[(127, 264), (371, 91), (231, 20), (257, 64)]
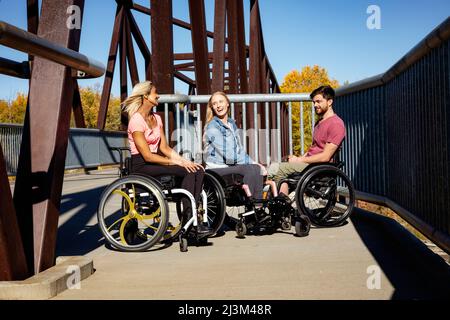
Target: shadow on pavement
[(413, 270), (75, 236)]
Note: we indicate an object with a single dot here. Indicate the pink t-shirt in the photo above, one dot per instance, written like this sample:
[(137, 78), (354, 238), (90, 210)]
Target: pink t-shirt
[(152, 136), (330, 130)]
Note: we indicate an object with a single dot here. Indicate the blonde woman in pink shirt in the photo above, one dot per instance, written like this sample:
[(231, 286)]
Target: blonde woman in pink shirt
[(150, 153)]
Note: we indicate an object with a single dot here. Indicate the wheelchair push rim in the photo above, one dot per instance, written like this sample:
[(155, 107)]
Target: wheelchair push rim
[(319, 194), (132, 214)]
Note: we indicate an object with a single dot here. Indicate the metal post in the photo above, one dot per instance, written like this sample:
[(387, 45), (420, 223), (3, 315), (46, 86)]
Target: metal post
[(267, 130), (199, 132), (185, 127), (255, 125), (166, 122), (278, 132), (290, 128), (244, 125), (302, 130), (178, 126)]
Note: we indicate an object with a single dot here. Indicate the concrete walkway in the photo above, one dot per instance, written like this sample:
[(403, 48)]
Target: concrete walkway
[(333, 263)]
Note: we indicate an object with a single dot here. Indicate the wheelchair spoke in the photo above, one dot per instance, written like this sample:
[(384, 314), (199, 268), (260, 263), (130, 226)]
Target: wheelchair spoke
[(149, 226), (127, 198), (118, 220), (134, 195), (122, 229)]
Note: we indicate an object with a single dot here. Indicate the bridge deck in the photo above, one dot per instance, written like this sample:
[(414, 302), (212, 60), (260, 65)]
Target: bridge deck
[(328, 264)]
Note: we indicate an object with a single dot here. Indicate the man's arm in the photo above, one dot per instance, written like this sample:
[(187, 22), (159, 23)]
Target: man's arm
[(324, 156)]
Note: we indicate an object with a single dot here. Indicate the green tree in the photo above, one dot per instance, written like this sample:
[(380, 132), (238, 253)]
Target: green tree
[(304, 81)]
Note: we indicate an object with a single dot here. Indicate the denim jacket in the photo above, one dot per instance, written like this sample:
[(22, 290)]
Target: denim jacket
[(223, 146)]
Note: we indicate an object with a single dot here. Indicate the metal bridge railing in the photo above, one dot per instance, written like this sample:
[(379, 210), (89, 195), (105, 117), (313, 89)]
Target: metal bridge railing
[(90, 147), (266, 135), (398, 130)]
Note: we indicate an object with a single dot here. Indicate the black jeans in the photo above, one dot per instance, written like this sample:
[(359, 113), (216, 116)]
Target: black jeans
[(252, 176), (190, 181)]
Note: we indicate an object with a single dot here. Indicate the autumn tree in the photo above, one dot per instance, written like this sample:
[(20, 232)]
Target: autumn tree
[(304, 81), (90, 101), (14, 111)]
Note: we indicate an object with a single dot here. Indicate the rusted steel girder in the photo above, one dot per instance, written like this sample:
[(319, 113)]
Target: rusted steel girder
[(217, 83), (32, 19), (207, 67), (242, 48), (200, 48), (255, 57), (162, 45), (200, 45), (13, 265), (232, 46), (162, 55), (77, 107), (37, 192), (110, 66)]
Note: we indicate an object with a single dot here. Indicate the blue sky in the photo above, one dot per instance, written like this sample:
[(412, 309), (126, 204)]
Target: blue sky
[(330, 33)]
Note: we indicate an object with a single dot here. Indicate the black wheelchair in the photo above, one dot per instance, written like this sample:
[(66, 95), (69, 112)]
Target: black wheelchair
[(136, 212), (324, 197)]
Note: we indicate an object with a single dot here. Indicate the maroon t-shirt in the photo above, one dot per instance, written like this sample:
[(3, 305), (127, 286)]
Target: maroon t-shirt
[(330, 130)]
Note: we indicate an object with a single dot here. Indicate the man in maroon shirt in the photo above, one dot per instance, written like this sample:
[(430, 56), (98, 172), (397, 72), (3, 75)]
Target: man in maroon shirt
[(329, 132)]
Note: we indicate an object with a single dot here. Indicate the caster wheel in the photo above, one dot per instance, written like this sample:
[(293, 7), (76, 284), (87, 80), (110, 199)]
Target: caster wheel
[(302, 226), (183, 245), (241, 229), (286, 225)]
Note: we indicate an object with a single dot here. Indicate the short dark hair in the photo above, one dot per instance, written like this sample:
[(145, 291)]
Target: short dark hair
[(326, 91)]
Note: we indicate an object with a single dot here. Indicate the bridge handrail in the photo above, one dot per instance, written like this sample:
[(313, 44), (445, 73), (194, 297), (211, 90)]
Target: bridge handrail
[(30, 43)]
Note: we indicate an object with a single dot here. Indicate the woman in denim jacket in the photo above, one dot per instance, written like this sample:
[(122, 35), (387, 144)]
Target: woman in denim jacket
[(224, 152)]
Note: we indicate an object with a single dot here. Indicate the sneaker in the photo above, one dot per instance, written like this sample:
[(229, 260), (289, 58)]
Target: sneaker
[(284, 197), (202, 229)]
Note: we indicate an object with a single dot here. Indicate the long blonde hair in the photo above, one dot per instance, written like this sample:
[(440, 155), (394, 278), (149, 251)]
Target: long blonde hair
[(135, 100), (209, 109)]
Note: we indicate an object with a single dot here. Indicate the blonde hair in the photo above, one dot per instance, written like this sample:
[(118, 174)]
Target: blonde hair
[(209, 109), (135, 100)]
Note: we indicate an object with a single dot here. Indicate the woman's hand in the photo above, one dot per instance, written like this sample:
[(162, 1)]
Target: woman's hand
[(188, 165)]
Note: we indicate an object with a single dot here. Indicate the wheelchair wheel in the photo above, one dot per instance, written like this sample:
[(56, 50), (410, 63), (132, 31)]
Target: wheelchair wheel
[(216, 209), (317, 196), (241, 229), (215, 201), (302, 226), (132, 213)]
